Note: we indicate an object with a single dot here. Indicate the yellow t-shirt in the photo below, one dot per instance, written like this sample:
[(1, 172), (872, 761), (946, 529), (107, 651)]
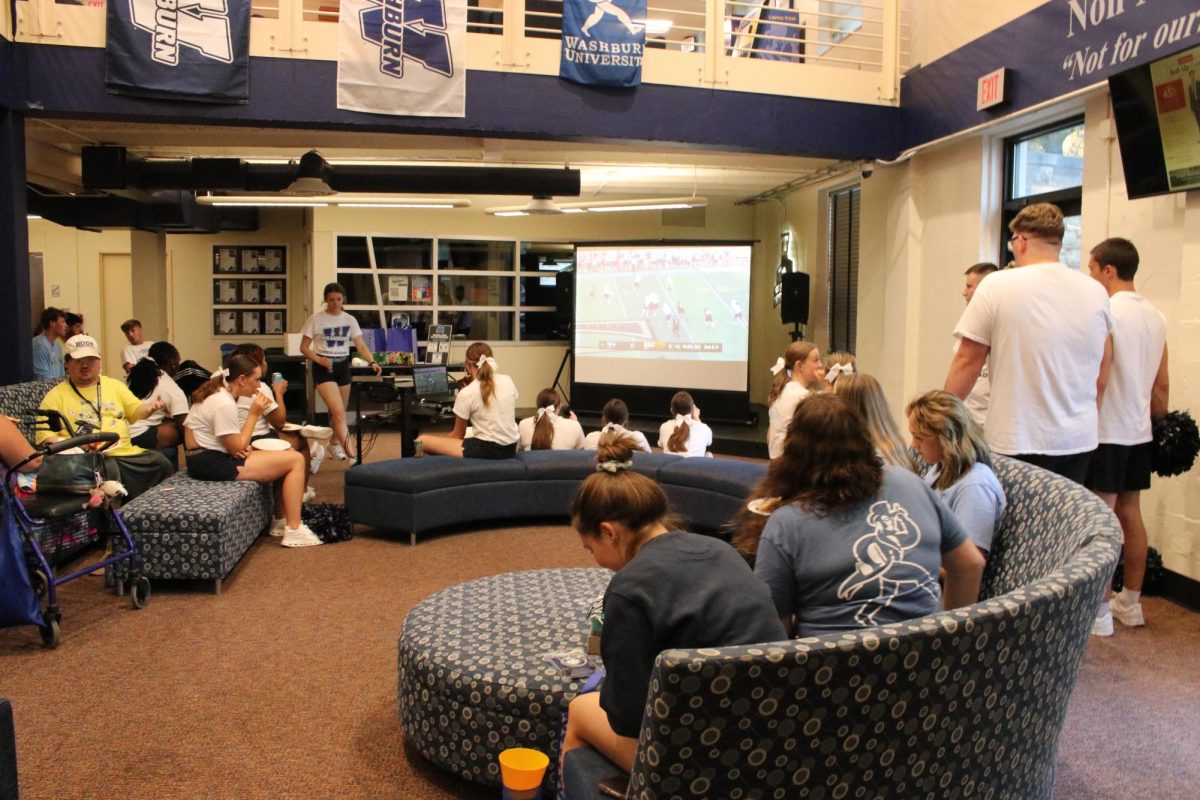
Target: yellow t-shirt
[(116, 403)]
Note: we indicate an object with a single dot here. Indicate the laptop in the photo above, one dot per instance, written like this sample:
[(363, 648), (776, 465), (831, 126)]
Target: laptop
[(432, 384)]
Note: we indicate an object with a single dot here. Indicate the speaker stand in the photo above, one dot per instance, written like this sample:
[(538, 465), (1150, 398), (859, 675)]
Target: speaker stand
[(558, 375), (795, 332)]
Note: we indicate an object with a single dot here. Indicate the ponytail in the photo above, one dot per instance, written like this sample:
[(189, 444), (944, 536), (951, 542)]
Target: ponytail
[(681, 406), (480, 354), (796, 353), (143, 378), (235, 367), (543, 427)]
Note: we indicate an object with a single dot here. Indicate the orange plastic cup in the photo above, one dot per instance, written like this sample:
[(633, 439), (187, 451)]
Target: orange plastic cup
[(522, 769)]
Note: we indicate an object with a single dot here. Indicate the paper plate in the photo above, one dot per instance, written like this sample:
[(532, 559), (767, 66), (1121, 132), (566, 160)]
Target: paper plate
[(270, 444), (291, 426)]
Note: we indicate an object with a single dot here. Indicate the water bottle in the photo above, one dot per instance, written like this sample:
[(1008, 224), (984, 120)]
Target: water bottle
[(418, 449)]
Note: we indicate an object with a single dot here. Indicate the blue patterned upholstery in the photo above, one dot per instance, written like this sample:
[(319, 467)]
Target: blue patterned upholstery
[(472, 680), (414, 495), (956, 704), (196, 530)]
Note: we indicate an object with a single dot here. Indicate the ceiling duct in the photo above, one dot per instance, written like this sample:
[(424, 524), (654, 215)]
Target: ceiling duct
[(170, 212), (112, 168)]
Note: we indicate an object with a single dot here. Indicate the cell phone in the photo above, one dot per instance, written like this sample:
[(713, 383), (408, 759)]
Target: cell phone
[(564, 411), (614, 786)]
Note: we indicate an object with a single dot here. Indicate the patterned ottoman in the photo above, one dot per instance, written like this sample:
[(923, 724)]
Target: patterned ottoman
[(196, 530), (473, 680)]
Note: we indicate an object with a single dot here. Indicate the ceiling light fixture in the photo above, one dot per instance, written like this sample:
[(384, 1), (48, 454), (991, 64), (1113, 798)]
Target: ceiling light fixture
[(344, 200), (310, 178), (654, 204)]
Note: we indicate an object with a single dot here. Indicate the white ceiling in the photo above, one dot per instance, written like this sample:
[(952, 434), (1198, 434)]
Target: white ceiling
[(609, 171)]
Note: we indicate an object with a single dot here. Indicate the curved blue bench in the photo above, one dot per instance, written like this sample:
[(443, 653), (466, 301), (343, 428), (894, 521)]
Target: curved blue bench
[(419, 495)]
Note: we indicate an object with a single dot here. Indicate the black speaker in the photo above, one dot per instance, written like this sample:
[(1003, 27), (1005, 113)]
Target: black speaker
[(793, 306)]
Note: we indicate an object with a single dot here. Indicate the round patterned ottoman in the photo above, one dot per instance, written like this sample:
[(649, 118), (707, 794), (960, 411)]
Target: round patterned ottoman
[(473, 680)]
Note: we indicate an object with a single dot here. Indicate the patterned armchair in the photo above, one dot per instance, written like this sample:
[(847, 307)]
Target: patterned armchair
[(962, 703)]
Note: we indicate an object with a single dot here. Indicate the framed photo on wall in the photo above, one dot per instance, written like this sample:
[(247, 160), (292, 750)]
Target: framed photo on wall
[(225, 259), (225, 322), (252, 292), (273, 292), (274, 322), (251, 323), (225, 292), (273, 260)]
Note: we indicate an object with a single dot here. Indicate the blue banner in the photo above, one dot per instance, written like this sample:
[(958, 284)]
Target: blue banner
[(195, 50), (603, 42)]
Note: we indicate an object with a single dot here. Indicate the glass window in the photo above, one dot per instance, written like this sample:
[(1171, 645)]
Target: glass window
[(555, 256), (489, 326), (402, 253), (360, 288), (1047, 162), (540, 289), (352, 252), (1045, 166), (542, 326), (475, 255), (367, 317), (843, 268), (469, 290), (407, 289)]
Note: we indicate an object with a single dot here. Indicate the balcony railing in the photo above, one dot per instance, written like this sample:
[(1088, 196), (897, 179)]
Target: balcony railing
[(853, 51)]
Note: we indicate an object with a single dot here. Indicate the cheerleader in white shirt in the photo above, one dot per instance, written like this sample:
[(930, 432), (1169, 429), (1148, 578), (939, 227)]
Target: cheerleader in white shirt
[(798, 367), (219, 446), (546, 430), (488, 404), (685, 434), (614, 415)]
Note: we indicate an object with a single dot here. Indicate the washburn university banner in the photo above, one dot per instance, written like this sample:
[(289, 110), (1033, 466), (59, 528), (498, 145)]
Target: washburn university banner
[(179, 49), (403, 57), (603, 42)]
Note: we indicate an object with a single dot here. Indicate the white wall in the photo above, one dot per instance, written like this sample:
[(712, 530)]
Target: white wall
[(941, 27)]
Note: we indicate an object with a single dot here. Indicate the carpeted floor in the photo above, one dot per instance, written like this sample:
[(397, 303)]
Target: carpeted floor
[(284, 686)]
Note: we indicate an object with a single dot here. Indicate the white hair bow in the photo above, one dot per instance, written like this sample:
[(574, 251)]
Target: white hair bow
[(485, 360), (680, 419), (613, 467), (777, 367), (543, 411), (609, 426), (838, 369)]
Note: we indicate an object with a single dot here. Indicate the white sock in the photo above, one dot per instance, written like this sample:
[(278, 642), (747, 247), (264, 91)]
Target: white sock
[(1130, 597), (1103, 610)]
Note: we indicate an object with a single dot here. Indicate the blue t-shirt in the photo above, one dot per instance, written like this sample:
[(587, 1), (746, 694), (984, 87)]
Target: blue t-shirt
[(977, 500), (47, 358), (873, 563)]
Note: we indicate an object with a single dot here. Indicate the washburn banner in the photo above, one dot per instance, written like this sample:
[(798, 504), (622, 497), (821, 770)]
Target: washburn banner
[(603, 42), (179, 49), (403, 57)]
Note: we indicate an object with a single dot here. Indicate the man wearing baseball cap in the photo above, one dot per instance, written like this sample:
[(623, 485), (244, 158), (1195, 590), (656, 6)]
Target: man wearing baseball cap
[(93, 403)]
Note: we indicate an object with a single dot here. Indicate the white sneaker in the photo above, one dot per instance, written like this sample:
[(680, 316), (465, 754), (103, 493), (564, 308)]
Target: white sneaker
[(320, 432), (1127, 614), (278, 526), (317, 451), (300, 537), (337, 453), (1101, 626), (309, 494)]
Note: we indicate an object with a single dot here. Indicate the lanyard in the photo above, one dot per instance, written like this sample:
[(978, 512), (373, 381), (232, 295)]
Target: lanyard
[(95, 406)]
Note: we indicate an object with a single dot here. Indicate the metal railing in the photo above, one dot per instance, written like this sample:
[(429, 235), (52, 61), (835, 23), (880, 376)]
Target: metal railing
[(868, 42)]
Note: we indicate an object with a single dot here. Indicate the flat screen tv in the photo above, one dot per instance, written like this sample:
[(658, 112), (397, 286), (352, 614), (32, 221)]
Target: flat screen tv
[(1157, 110)]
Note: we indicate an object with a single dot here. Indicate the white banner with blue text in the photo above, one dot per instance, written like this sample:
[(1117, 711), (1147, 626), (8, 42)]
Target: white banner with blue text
[(405, 57), (198, 51), (603, 42)]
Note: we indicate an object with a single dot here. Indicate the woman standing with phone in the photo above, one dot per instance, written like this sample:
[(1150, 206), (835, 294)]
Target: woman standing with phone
[(326, 340)]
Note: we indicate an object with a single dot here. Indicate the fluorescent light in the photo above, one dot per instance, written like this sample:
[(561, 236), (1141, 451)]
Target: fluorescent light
[(33, 216), (347, 200), (657, 27), (653, 204)]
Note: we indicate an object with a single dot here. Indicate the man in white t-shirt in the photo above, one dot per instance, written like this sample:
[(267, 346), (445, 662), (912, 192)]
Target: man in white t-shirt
[(1137, 393), (977, 401), (138, 346), (1046, 329)]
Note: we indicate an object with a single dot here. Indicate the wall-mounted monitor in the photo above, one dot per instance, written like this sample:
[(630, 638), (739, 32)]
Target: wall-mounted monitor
[(1157, 110)]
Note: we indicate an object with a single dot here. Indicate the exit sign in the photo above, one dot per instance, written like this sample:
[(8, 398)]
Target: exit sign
[(992, 90)]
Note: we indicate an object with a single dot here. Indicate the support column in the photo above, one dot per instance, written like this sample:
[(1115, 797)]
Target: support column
[(148, 270), (16, 327)]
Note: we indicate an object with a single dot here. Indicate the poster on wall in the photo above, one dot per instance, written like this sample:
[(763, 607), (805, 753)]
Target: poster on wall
[(199, 52), (397, 288), (225, 322), (274, 322), (1177, 101)]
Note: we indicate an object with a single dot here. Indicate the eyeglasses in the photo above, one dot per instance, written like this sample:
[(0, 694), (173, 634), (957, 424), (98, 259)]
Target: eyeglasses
[(1014, 238)]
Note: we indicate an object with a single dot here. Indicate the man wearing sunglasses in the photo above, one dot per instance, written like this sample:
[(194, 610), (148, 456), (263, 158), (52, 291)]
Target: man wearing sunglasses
[(1047, 331)]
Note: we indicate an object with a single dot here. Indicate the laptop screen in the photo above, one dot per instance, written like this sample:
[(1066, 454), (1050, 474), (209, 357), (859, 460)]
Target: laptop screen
[(430, 381)]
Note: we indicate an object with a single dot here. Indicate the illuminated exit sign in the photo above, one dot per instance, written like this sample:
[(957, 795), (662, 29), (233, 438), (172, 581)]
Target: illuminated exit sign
[(992, 90)]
